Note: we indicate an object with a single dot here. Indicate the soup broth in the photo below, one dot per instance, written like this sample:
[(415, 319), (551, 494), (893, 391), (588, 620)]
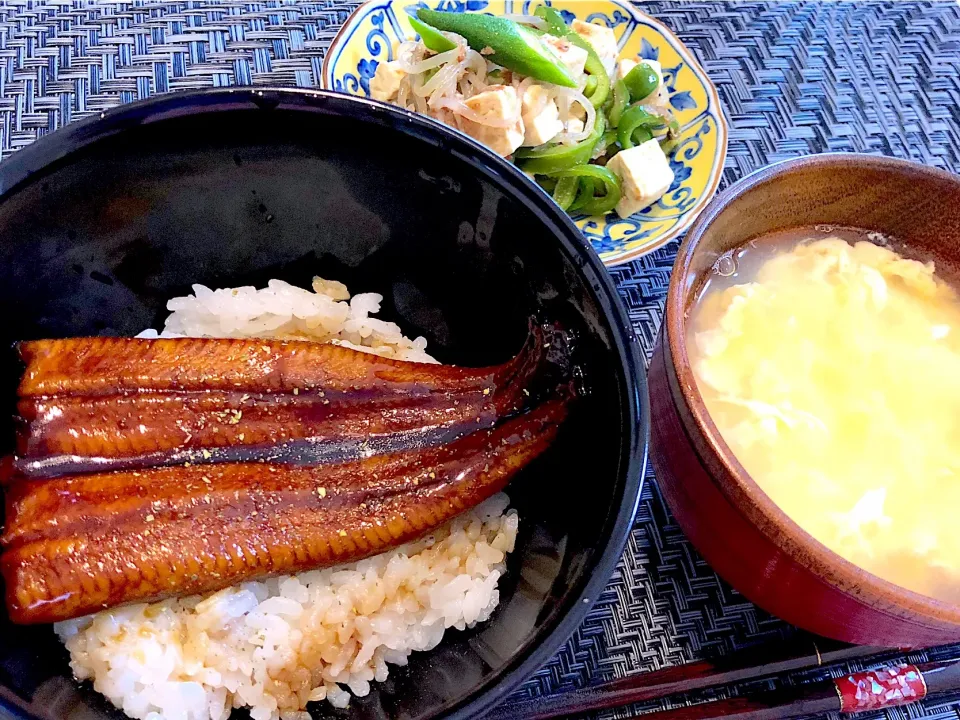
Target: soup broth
[(831, 366)]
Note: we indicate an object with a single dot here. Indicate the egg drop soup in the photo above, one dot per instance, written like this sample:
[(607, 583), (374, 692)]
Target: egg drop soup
[(831, 366)]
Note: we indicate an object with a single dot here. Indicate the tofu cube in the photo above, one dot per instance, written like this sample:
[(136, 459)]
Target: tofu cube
[(645, 175), (386, 81), (574, 125), (624, 67), (499, 103), (573, 57), (541, 117), (603, 40)]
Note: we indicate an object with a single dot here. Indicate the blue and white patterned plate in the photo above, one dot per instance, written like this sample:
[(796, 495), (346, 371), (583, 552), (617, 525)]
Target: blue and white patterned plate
[(370, 35)]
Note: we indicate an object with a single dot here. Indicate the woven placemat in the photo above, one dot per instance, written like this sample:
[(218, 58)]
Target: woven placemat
[(794, 77)]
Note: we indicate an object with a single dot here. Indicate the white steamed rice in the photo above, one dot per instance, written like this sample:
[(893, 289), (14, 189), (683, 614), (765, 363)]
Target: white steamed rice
[(281, 310), (273, 646)]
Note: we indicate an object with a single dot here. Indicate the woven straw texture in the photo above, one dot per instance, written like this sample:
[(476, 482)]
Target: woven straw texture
[(794, 77)]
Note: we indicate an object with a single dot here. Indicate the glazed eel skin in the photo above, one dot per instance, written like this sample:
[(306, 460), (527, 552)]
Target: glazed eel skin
[(156, 468), (107, 366), (79, 544), (307, 403)]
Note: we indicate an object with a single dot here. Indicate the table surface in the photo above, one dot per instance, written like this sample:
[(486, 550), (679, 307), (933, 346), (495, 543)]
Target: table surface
[(794, 78)]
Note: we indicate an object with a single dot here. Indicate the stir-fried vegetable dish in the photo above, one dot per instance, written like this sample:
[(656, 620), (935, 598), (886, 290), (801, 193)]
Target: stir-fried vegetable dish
[(592, 130)]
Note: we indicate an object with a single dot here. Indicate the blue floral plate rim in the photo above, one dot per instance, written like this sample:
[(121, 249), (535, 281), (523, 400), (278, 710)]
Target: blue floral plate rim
[(625, 249)]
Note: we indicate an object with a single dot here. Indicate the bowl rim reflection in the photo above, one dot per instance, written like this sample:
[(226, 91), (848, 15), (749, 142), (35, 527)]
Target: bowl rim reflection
[(561, 620), (736, 484)]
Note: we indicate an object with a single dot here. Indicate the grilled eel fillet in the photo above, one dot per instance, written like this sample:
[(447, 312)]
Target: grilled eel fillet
[(79, 544), (105, 366), (96, 404)]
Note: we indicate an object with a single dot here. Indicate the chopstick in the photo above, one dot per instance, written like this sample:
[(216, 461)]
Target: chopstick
[(739, 667), (886, 687)]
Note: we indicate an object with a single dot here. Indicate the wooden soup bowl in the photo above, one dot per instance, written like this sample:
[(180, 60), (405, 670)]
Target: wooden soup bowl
[(748, 540)]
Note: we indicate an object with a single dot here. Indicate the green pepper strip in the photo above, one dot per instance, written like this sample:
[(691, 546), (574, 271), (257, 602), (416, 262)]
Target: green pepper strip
[(432, 38), (607, 139), (668, 144), (514, 46), (636, 119), (641, 82), (565, 191), (543, 161), (641, 135), (609, 182), (547, 183), (594, 66), (621, 98), (588, 189), (556, 25)]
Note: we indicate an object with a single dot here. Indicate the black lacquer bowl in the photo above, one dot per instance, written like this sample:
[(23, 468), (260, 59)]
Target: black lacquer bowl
[(102, 222)]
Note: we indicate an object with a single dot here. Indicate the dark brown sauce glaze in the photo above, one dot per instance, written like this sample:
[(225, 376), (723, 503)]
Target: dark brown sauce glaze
[(70, 541), (108, 366), (138, 482), (72, 433)]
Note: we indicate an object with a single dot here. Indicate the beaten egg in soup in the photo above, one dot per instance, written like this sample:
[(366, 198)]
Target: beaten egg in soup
[(832, 370)]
